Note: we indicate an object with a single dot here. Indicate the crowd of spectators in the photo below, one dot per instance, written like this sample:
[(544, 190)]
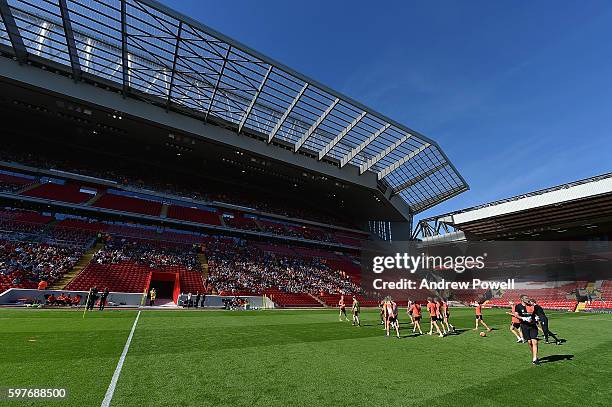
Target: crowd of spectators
[(241, 267), (150, 253), (34, 262)]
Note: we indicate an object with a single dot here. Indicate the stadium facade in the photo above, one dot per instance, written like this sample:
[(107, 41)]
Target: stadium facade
[(577, 210)]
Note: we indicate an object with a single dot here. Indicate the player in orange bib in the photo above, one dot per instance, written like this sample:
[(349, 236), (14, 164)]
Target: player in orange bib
[(409, 312), (416, 317), (433, 321), (439, 316), (515, 324), (391, 321), (342, 306), (445, 312), (479, 319)]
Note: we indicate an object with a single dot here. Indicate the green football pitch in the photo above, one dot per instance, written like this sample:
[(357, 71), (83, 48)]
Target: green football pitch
[(306, 357)]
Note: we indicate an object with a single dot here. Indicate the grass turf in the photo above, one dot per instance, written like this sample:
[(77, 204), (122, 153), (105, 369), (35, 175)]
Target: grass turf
[(280, 358)]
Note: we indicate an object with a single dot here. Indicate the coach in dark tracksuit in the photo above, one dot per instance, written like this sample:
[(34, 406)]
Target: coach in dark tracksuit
[(539, 311), (103, 299), (92, 297)]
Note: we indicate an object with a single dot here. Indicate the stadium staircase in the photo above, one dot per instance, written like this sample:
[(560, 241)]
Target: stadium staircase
[(320, 301), (28, 187), (204, 263), (164, 211), (94, 198), (76, 270), (223, 221)]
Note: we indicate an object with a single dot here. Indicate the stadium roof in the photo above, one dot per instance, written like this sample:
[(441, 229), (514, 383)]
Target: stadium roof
[(149, 51), (582, 202)]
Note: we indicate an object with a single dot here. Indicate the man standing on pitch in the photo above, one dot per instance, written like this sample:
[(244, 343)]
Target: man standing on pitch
[(479, 319), (103, 298), (433, 319), (526, 313), (342, 306), (356, 311), (416, 315), (91, 298)]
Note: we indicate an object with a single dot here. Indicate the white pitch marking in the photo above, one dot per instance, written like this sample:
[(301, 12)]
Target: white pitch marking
[(111, 387)]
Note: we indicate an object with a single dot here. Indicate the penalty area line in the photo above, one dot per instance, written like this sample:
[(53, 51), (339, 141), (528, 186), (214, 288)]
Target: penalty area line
[(111, 387)]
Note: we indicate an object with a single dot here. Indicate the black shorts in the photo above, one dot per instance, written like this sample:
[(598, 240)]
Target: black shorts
[(529, 331), (417, 319), (434, 318), (515, 325), (479, 317), (392, 319), (410, 313)]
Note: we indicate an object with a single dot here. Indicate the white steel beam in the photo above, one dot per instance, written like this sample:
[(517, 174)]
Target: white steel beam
[(340, 136), (315, 125), (363, 145), (287, 112), (366, 166), (401, 161), (246, 114)]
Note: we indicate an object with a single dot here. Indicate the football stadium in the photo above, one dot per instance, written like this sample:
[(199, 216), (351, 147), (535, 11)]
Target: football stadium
[(186, 221)]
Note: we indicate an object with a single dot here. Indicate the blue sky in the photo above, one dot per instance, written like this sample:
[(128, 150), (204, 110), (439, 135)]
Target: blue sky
[(518, 94)]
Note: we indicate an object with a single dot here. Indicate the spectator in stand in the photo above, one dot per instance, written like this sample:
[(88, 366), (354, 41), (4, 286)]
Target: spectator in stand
[(42, 285)]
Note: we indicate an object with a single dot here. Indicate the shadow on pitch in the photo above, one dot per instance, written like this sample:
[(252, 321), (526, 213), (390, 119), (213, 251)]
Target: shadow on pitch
[(555, 358)]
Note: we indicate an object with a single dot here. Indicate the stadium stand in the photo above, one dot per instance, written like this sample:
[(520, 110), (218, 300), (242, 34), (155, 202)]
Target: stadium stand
[(64, 193), (194, 215), (126, 265), (256, 268), (240, 222), (24, 264), (549, 298), (117, 200), (13, 183), (129, 204), (170, 187)]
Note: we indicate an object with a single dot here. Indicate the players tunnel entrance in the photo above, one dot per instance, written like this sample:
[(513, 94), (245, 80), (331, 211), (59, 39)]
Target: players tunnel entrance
[(167, 286)]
